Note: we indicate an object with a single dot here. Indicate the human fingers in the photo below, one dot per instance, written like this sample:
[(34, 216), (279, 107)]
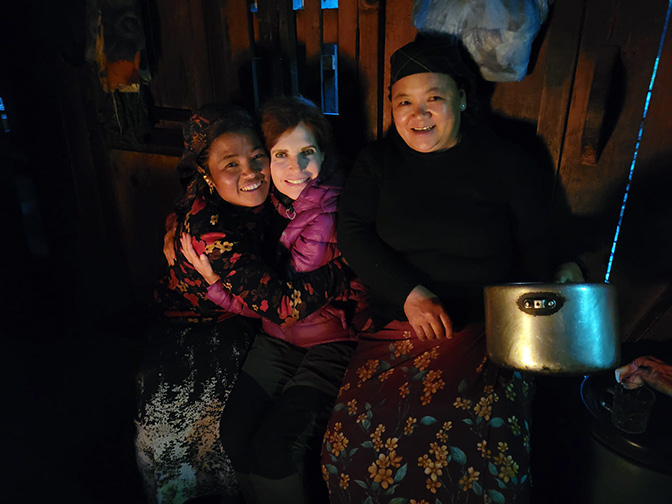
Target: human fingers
[(658, 375), (638, 366), (648, 361), (187, 249), (429, 332), (169, 254), (633, 381), (447, 325), (203, 264), (419, 332), (183, 247), (169, 248), (624, 372), (437, 327)]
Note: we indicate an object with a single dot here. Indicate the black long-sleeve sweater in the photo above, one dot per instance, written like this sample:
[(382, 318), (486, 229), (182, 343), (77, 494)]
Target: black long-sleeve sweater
[(454, 221)]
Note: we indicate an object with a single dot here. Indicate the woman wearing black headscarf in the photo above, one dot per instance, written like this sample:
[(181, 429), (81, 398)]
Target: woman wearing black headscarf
[(429, 216)]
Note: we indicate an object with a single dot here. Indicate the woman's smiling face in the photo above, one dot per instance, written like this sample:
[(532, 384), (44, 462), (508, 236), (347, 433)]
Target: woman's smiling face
[(238, 167), (426, 111), (296, 159)]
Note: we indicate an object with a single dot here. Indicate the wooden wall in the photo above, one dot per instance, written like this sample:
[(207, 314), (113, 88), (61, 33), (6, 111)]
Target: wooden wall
[(586, 95), (579, 109)]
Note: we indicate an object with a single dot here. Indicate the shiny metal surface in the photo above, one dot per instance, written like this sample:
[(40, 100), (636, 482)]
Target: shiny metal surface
[(552, 328)]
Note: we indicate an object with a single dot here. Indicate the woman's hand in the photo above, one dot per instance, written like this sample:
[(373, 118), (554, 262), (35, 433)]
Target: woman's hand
[(201, 263), (169, 244), (646, 370), (569, 272), (426, 314)]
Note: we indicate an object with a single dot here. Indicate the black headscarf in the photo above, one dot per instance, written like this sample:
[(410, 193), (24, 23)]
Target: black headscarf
[(445, 54), (433, 54)]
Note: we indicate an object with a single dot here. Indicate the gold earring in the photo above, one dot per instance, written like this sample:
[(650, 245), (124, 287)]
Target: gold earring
[(209, 182)]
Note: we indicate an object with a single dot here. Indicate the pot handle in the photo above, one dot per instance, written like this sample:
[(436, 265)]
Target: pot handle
[(540, 303)]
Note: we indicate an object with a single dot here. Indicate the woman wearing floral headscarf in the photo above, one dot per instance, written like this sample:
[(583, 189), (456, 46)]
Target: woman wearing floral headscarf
[(197, 348), (429, 216)]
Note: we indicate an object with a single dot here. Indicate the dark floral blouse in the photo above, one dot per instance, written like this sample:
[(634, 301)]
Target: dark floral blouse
[(232, 238)]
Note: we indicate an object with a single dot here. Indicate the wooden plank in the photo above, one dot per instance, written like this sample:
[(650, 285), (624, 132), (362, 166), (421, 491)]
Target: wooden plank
[(597, 127), (520, 100), (238, 22), (300, 26), (597, 191), (239, 33), (398, 31), (219, 61), (145, 187), (198, 63), (95, 238), (288, 42), (591, 187), (564, 34), (369, 64), (642, 270), (330, 26), (171, 85), (350, 125), (312, 79), (255, 24), (269, 78), (347, 29)]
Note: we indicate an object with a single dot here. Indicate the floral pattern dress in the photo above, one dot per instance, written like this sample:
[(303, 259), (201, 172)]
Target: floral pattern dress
[(196, 349), (184, 382), (429, 422)]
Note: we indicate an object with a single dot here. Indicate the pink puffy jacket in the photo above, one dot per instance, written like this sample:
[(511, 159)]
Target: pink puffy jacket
[(310, 237)]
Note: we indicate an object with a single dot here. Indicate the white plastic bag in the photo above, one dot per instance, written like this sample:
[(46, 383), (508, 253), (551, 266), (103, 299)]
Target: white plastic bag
[(497, 33)]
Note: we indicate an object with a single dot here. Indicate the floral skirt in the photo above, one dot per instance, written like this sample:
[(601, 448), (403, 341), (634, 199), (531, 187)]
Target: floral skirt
[(428, 422), (185, 379)]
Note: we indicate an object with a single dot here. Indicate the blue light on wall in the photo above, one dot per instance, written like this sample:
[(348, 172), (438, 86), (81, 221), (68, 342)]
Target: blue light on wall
[(325, 4), (639, 138), (3, 116)]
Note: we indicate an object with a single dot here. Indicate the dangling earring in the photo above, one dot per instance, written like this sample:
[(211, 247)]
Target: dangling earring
[(209, 182)]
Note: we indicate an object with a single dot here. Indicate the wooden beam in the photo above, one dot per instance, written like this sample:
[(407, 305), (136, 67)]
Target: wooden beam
[(288, 42), (398, 31), (597, 190), (563, 37), (369, 12), (199, 57), (219, 61), (312, 80), (239, 25)]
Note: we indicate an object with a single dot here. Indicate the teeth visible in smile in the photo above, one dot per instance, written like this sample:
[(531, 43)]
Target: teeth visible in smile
[(426, 128), (251, 187), (298, 181)]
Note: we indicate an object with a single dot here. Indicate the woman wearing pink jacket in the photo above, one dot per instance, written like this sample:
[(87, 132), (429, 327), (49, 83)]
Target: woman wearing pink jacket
[(275, 418)]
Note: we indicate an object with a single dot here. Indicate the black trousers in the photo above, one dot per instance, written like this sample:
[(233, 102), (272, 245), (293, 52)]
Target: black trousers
[(274, 420)]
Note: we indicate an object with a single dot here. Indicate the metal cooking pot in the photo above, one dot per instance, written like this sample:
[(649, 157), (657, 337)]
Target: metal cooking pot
[(552, 328)]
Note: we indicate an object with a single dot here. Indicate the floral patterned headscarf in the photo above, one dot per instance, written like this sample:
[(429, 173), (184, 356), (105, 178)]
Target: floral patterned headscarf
[(208, 123), (202, 128)]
